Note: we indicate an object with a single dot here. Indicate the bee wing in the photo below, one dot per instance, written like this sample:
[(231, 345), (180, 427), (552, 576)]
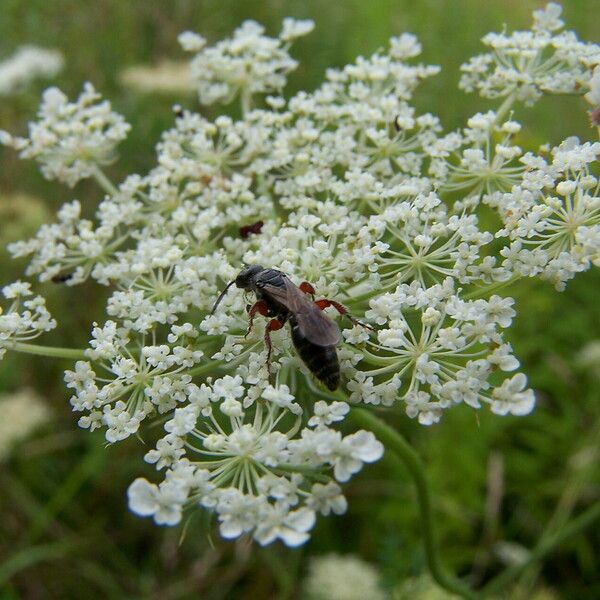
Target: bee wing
[(314, 324)]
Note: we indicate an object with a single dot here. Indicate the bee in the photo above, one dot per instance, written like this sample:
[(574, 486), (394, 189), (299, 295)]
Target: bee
[(314, 335)]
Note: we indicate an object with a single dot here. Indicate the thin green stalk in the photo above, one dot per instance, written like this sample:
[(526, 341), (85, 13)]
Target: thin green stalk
[(505, 108), (202, 369), (399, 446), (104, 182), (486, 290), (545, 546), (51, 351), (246, 102), (28, 557)]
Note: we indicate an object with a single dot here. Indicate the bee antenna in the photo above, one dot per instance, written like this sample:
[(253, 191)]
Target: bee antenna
[(221, 296)]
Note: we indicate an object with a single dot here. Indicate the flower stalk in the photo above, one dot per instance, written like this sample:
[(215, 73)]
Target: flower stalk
[(395, 443), (49, 351)]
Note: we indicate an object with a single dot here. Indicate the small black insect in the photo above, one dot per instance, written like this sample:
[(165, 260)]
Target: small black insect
[(61, 277), (314, 334), (255, 228)]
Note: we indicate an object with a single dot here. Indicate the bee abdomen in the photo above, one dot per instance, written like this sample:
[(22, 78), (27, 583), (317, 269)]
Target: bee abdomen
[(322, 361)]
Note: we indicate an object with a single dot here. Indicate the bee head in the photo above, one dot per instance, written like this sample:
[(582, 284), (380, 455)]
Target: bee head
[(246, 275)]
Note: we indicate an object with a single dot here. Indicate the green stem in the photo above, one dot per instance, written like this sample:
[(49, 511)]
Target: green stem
[(246, 102), (400, 447), (505, 108), (544, 547), (486, 290), (31, 556), (104, 182), (202, 369), (51, 351)]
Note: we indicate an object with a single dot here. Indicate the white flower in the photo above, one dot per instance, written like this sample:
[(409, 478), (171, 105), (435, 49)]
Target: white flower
[(553, 217), (163, 502), (166, 77), (294, 28), (238, 513), (512, 397), (547, 18), (25, 318), (593, 96), (530, 63), (70, 140), (282, 397), (327, 499), (23, 412), (348, 454), (277, 523), (326, 414), (343, 578), (347, 187), (248, 63), (25, 65)]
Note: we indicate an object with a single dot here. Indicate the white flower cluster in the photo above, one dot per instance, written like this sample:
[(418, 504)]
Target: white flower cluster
[(333, 576), (348, 188), (165, 77), (23, 412), (235, 449), (529, 64), (71, 139), (27, 64), (247, 64), (25, 318), (451, 350), (553, 217)]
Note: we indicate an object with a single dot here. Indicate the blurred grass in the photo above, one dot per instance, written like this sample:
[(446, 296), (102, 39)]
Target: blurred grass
[(66, 532)]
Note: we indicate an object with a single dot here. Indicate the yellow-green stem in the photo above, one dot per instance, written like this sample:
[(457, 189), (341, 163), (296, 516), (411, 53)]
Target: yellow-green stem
[(395, 443), (50, 351), (104, 182)]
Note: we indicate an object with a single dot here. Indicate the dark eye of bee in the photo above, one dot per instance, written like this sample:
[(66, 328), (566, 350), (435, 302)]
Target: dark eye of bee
[(245, 276)]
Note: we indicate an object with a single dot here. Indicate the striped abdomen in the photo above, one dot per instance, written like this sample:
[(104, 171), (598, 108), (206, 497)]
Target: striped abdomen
[(321, 360)]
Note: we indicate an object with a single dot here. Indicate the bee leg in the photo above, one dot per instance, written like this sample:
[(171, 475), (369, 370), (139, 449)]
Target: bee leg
[(272, 325), (307, 288), (325, 303), (261, 307)]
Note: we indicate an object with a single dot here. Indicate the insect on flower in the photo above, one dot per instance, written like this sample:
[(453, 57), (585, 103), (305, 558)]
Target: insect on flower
[(255, 229), (314, 334), (61, 277)]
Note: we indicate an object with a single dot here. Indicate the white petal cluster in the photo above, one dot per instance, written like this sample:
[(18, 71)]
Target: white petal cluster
[(435, 350), (235, 450), (552, 218), (343, 578), (410, 228), (482, 162), (23, 412), (529, 64), (71, 139), (25, 318), (166, 77), (248, 63), (27, 64)]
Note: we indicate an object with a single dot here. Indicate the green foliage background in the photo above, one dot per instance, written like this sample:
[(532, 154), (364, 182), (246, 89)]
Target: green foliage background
[(65, 531)]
